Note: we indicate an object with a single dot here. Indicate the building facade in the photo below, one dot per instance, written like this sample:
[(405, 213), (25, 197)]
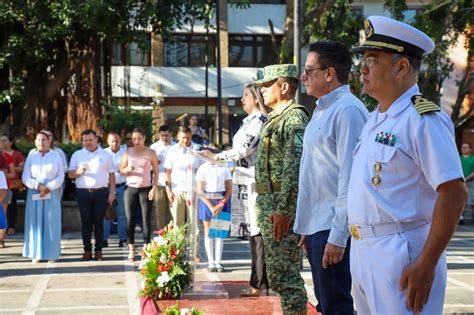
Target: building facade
[(169, 77)]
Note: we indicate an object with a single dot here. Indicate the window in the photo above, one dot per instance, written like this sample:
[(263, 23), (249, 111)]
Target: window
[(252, 51), (131, 54), (189, 51)]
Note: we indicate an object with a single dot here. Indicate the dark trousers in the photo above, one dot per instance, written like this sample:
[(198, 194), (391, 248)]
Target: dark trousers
[(92, 207), (132, 198), (258, 276), (332, 286), (12, 210)]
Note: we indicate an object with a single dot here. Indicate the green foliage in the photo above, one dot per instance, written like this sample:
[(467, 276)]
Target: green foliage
[(396, 8), (69, 148), (333, 21), (24, 147), (43, 43), (123, 119), (175, 310), (444, 21)]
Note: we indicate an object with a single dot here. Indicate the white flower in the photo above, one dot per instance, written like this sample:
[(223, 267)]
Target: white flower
[(143, 263), (163, 279), (159, 240), (142, 284), (184, 311), (162, 259)]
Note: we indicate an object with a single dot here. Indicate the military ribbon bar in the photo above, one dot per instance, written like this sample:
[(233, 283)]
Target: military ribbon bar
[(386, 138)]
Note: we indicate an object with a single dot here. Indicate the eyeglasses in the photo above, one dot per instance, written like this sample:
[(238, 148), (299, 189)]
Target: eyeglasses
[(367, 62), (307, 71)]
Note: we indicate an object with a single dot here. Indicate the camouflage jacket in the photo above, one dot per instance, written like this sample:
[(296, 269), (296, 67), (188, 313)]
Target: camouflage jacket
[(282, 137)]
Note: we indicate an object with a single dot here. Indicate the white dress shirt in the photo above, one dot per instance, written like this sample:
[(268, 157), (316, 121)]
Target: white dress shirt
[(98, 166), (41, 169), (117, 158), (423, 157), (161, 151), (178, 161), (329, 139)]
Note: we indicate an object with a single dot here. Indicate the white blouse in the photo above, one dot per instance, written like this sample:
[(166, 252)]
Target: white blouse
[(245, 141), (40, 169)]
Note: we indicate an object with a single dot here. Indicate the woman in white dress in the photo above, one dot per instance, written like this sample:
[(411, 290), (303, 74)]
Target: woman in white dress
[(43, 175), (244, 152)]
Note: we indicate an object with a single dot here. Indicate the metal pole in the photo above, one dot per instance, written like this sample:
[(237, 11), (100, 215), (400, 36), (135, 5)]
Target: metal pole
[(206, 108), (297, 43), (219, 87)]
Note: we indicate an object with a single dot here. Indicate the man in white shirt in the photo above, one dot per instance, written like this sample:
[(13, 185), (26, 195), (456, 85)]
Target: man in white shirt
[(94, 174), (177, 179), (329, 139), (162, 204), (116, 151)]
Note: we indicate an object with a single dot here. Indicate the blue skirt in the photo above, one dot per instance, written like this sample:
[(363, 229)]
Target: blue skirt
[(3, 220), (204, 213), (43, 226)]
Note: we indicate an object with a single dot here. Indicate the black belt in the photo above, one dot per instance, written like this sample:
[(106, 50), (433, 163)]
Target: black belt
[(93, 189), (120, 185)]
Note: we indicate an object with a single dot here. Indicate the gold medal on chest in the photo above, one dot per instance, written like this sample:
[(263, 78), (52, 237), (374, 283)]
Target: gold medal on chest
[(376, 179), (377, 167)]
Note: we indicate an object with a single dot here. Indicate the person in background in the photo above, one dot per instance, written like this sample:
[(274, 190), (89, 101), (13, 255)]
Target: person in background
[(213, 179), (244, 152), (176, 164), (138, 210), (467, 163), (55, 148), (43, 175), (137, 165), (14, 183), (198, 134), (7, 167), (128, 140), (117, 151), (3, 220), (162, 204), (94, 173)]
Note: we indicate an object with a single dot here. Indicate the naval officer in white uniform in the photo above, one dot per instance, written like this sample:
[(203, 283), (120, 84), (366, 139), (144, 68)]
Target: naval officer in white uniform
[(406, 190)]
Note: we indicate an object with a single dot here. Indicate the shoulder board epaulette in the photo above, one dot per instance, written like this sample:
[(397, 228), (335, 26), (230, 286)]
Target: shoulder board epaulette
[(423, 105)]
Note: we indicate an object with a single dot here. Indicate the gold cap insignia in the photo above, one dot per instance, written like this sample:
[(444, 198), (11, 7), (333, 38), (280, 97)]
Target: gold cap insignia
[(368, 29)]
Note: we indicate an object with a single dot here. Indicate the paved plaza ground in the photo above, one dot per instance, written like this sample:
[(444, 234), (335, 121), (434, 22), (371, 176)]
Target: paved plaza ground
[(71, 286)]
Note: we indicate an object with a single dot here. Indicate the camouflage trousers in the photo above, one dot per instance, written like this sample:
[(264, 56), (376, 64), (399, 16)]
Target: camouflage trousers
[(283, 267)]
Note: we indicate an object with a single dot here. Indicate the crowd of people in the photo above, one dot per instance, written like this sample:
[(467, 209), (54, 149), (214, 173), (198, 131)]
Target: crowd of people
[(371, 199)]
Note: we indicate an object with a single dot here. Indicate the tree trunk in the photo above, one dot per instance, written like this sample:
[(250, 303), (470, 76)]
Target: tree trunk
[(84, 91)]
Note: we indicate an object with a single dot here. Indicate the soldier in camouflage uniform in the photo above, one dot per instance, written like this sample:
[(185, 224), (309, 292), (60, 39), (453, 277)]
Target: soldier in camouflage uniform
[(276, 173)]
